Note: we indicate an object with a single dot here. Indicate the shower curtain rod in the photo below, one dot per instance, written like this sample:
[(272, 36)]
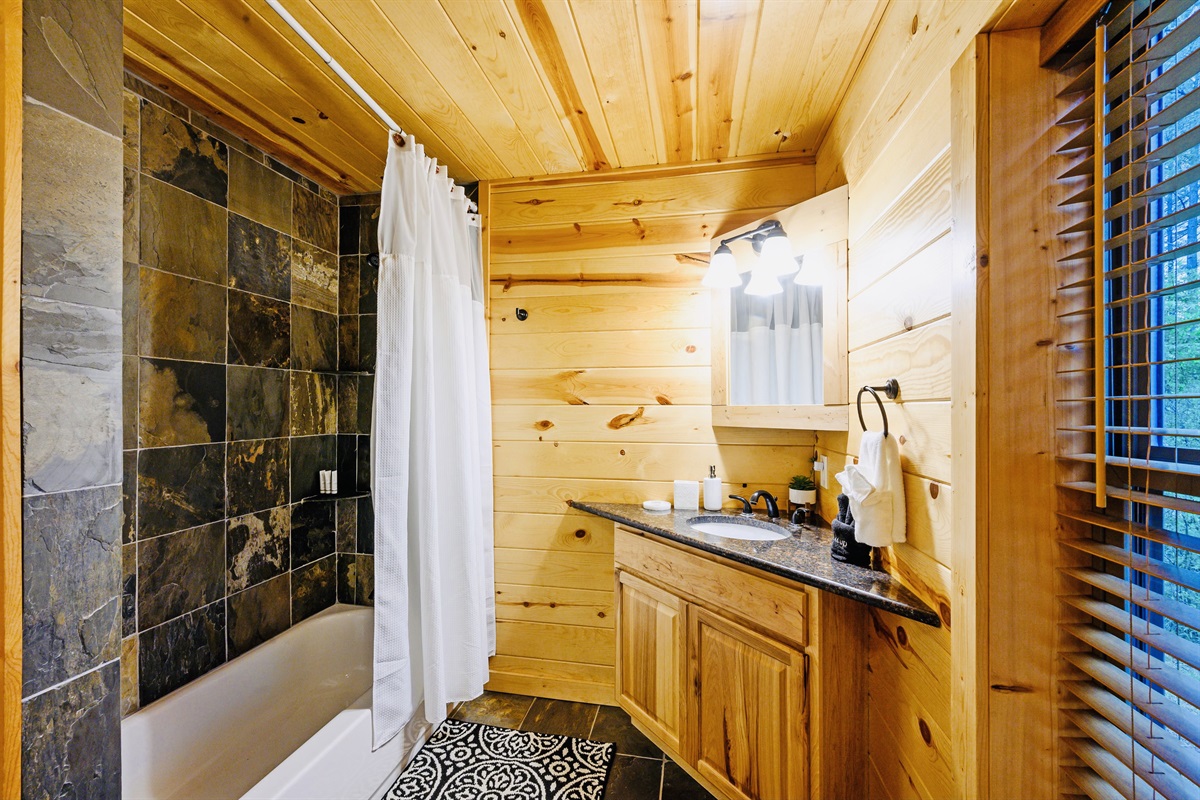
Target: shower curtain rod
[(397, 132)]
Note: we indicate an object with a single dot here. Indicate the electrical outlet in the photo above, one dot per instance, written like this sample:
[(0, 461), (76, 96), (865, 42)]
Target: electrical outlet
[(822, 466)]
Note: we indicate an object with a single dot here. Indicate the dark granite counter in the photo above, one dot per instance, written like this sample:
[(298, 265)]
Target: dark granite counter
[(803, 557)]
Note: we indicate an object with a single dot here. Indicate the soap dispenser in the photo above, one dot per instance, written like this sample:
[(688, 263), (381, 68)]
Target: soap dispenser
[(713, 496)]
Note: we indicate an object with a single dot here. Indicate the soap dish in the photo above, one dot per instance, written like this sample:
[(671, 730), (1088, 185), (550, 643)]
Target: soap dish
[(656, 505)]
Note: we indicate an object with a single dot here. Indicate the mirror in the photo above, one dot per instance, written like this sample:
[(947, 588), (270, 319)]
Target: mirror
[(779, 359)]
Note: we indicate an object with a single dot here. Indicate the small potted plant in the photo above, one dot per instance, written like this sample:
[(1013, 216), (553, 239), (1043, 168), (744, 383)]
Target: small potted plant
[(802, 491)]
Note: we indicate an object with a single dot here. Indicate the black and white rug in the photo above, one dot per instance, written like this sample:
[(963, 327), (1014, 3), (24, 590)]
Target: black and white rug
[(469, 761)]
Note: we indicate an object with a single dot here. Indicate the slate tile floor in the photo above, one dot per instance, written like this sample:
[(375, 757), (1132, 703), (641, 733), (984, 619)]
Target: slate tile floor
[(640, 771)]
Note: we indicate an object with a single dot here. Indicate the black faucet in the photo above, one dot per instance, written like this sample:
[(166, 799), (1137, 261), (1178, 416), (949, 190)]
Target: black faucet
[(772, 506), (747, 509)]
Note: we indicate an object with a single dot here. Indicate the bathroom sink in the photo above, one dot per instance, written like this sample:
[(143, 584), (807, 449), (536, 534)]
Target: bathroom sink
[(738, 528)]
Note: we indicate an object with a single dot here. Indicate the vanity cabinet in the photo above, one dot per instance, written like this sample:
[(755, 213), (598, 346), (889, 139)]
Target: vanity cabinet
[(728, 669), (748, 715), (651, 656)]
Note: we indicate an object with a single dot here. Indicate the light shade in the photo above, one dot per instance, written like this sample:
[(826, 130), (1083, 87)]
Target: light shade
[(776, 253), (763, 282), (807, 276), (722, 270)]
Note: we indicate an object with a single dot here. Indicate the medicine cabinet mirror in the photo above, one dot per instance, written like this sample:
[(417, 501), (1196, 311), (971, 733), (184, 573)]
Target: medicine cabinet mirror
[(779, 359)]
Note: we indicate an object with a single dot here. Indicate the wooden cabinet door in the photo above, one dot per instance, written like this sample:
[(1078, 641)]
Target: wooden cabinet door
[(748, 717), (650, 656)]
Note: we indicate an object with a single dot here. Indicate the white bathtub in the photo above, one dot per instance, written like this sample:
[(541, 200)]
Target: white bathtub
[(290, 719)]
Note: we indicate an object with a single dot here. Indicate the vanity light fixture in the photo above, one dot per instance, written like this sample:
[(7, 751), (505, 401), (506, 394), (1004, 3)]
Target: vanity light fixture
[(722, 270), (774, 259)]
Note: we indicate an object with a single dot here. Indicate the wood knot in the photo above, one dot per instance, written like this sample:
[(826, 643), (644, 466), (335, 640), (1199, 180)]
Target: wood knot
[(581, 533), (622, 452), (934, 490), (662, 399), (1006, 688), (600, 614), (901, 636), (543, 424), (691, 348), (915, 25), (901, 439), (944, 612), (622, 420), (926, 734)]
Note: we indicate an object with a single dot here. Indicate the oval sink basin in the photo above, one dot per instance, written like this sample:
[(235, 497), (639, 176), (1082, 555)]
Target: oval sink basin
[(750, 529)]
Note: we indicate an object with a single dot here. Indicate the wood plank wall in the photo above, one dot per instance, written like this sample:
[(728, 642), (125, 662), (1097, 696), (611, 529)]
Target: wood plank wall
[(891, 142), (603, 392)]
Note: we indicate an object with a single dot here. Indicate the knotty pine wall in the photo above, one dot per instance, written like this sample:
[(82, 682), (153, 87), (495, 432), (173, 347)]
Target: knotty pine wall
[(891, 142), (603, 393)]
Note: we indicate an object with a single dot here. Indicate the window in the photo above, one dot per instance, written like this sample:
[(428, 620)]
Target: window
[(1129, 404)]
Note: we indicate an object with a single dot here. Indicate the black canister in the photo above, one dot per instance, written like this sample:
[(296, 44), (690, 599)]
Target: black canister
[(845, 547)]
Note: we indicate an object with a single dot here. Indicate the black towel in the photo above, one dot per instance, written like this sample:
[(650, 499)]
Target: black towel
[(845, 547)]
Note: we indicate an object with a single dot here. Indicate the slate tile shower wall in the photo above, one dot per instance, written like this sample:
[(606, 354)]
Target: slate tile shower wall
[(358, 280), (231, 396), (71, 399)]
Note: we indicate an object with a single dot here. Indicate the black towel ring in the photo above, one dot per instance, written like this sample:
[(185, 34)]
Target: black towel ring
[(891, 389)]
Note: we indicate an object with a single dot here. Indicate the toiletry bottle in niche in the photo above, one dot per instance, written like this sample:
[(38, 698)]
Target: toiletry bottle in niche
[(713, 496)]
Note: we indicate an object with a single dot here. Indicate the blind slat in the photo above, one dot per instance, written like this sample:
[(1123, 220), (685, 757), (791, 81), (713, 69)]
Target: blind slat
[(1109, 767), (1142, 762), (1142, 630), (1182, 758), (1138, 694), (1147, 532), (1140, 596), (1183, 504)]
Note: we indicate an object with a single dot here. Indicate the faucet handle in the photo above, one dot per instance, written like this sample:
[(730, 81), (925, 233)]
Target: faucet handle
[(747, 509)]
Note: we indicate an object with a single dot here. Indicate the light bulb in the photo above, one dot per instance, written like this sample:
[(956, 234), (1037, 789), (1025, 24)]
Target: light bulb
[(722, 270), (763, 282), (776, 253)]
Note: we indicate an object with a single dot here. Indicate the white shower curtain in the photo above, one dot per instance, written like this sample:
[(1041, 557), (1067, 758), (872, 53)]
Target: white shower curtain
[(775, 347), (431, 464)]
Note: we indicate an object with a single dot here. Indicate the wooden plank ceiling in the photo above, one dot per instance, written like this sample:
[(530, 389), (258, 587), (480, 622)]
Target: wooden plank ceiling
[(509, 88)]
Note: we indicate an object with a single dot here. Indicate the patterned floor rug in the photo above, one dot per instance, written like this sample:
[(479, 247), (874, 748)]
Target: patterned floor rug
[(469, 761)]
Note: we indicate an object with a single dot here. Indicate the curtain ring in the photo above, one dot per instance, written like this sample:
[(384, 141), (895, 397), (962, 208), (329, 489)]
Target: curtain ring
[(879, 402), (398, 138)]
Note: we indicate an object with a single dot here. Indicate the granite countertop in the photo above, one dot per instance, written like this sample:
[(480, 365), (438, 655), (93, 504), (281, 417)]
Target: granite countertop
[(802, 557)]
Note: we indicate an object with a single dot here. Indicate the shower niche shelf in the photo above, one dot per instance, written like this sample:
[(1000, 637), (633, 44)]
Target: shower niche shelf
[(336, 496)]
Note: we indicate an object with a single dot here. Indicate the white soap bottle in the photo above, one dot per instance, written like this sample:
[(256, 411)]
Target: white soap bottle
[(712, 491)]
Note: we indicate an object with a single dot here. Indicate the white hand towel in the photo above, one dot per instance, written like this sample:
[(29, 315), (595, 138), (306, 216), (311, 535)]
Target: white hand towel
[(875, 487)]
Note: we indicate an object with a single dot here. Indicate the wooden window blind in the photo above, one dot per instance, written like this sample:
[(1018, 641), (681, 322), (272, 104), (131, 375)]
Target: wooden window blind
[(1128, 405)]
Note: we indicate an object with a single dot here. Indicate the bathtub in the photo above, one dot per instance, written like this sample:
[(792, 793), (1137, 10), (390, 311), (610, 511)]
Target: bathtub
[(290, 719)]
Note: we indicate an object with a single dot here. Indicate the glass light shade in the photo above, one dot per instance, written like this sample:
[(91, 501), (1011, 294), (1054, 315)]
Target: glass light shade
[(807, 276), (776, 253), (763, 282), (722, 270)]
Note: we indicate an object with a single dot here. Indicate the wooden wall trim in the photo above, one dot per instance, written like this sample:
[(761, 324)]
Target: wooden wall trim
[(969, 179), (765, 161), (10, 396), (1022, 556), (1065, 24)]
